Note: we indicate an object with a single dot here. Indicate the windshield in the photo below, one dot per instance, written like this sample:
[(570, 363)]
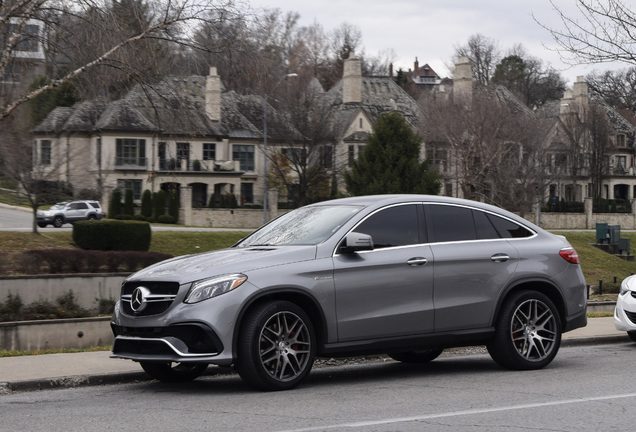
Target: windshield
[(58, 206), (306, 225)]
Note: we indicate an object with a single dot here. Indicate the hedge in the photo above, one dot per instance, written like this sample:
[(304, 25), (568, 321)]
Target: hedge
[(109, 234)]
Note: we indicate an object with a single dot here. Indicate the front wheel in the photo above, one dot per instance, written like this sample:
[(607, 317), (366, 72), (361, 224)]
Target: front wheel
[(527, 332), (424, 356), (277, 347), (58, 221), (42, 224), (174, 372)]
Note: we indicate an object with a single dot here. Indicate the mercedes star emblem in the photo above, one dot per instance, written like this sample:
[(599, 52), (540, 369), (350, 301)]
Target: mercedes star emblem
[(138, 299)]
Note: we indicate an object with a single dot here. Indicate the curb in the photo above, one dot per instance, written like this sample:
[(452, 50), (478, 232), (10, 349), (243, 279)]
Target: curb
[(77, 381)]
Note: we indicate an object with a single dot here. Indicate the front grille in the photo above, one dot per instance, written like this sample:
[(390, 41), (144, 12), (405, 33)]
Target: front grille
[(197, 338), (631, 316), (167, 291)]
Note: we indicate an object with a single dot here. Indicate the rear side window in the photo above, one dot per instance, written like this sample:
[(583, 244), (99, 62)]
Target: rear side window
[(507, 228), (450, 223), (394, 226)]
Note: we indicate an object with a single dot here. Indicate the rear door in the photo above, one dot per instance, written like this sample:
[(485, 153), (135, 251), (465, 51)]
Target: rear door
[(387, 291), (472, 264)]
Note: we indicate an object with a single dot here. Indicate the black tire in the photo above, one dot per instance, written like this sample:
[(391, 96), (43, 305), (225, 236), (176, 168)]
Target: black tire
[(174, 372), (527, 332), (632, 335), (42, 224), (92, 217), (277, 346), (58, 221), (423, 356)]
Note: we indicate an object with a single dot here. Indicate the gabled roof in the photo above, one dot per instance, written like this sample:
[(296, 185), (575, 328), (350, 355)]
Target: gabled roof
[(379, 96)]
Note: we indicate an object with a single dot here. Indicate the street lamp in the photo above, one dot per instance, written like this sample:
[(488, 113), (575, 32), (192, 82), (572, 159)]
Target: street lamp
[(265, 186)]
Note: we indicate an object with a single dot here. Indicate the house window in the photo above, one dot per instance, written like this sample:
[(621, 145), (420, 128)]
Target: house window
[(296, 156), (360, 123), (360, 150), (28, 41), (130, 152), (209, 151), (247, 193), (45, 152), (326, 157), (621, 163), (245, 155), (352, 154), (621, 141), (135, 185)]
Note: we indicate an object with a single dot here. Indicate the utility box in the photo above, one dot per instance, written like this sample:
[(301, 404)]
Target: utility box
[(614, 232), (601, 233), (623, 246)]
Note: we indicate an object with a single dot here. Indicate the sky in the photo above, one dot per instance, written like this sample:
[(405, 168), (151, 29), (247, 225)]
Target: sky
[(431, 30)]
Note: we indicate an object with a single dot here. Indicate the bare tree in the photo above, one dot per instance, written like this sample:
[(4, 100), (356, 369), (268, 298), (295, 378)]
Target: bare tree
[(171, 23), (617, 88), (602, 31), (483, 53), (487, 141)]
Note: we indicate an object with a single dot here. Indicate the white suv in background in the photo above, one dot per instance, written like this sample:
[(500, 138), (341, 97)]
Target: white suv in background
[(69, 212)]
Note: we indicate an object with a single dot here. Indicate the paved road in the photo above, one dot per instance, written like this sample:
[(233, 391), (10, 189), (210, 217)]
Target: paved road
[(20, 220), (586, 388)]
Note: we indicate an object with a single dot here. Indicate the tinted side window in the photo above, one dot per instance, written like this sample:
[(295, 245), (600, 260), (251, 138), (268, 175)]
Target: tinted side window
[(508, 229), (451, 223), (485, 229), (394, 226), (81, 206)]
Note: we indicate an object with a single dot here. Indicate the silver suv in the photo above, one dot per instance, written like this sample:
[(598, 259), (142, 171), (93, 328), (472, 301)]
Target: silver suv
[(403, 275), (69, 212)]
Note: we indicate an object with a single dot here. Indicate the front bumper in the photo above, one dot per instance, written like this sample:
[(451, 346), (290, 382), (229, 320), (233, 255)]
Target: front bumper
[(625, 312)]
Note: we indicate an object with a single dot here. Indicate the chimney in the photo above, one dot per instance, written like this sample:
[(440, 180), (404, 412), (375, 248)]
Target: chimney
[(580, 92), (416, 66), (352, 80), (213, 95), (463, 79)]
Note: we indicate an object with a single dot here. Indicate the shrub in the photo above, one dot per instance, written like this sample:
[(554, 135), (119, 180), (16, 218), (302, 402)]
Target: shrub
[(173, 205), (112, 235), (159, 204), (114, 205), (166, 219), (129, 205), (146, 204)]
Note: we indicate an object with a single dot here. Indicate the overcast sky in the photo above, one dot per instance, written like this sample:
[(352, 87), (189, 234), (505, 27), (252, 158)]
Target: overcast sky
[(431, 30)]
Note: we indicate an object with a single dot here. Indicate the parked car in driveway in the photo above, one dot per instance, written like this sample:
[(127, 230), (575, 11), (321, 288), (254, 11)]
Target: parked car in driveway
[(405, 275), (69, 212), (625, 310)]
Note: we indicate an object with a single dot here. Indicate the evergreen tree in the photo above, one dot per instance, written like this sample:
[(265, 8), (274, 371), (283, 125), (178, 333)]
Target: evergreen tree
[(391, 163), (129, 205), (146, 204), (114, 206), (173, 205), (159, 204)]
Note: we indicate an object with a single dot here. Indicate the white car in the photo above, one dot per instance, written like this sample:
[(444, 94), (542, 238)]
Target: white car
[(625, 312)]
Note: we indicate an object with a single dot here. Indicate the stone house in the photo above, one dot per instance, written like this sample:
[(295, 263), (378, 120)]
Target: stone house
[(566, 167), (189, 131)]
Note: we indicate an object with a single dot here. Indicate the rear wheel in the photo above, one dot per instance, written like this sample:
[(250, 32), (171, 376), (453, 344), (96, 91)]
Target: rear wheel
[(423, 356), (58, 221), (527, 332), (173, 371), (277, 347)]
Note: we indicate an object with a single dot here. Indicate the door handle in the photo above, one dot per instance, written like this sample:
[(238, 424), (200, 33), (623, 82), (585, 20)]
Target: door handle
[(501, 257), (417, 261)]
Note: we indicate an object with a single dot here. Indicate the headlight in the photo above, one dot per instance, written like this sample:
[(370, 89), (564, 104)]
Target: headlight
[(208, 288), (625, 285)]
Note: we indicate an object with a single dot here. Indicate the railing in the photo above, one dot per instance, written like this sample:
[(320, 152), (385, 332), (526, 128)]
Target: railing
[(130, 163), (198, 166)]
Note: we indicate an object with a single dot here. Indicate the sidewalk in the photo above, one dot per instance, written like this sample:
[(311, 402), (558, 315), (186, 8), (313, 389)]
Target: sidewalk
[(50, 371)]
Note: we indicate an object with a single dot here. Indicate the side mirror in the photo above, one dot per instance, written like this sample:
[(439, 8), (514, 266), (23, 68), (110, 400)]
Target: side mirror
[(356, 242)]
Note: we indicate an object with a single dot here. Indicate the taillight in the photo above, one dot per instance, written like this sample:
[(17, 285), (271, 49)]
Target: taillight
[(570, 255)]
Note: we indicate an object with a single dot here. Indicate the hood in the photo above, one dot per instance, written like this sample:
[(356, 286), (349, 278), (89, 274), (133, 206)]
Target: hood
[(189, 268)]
